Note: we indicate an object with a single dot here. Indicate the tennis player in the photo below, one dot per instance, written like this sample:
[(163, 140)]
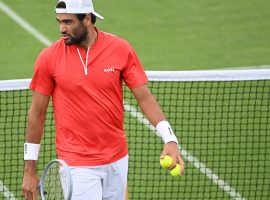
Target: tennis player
[(83, 72)]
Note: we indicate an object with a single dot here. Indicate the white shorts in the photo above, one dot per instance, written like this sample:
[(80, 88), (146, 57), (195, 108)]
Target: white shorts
[(105, 182)]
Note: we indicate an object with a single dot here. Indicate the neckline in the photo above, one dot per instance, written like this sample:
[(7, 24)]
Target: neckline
[(95, 44), (85, 65)]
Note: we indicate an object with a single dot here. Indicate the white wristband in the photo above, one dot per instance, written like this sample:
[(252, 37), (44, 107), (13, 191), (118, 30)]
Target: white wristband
[(165, 131), (31, 151)]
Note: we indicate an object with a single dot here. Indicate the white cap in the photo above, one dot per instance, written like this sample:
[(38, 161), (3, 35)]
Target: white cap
[(78, 7)]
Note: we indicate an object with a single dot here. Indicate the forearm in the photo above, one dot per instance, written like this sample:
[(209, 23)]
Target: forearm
[(152, 110), (34, 127), (33, 136), (36, 118)]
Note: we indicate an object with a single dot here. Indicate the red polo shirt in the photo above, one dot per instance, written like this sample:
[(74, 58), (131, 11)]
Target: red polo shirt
[(88, 109)]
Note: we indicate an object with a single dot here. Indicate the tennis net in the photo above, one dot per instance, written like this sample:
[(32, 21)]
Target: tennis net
[(222, 120)]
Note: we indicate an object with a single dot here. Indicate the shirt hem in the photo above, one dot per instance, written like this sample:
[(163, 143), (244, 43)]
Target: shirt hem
[(81, 163)]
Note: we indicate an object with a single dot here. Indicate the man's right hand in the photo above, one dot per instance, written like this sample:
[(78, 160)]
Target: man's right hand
[(30, 181)]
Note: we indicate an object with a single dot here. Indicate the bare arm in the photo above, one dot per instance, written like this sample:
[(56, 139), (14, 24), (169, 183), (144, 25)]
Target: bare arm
[(148, 104), (36, 118), (153, 112)]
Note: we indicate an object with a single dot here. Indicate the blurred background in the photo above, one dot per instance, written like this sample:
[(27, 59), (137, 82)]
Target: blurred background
[(167, 35)]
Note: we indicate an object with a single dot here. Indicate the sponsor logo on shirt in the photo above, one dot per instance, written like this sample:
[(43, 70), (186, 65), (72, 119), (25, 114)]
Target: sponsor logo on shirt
[(109, 69)]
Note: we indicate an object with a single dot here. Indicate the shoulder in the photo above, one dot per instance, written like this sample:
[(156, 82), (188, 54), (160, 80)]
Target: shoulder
[(115, 40), (54, 48), (50, 54)]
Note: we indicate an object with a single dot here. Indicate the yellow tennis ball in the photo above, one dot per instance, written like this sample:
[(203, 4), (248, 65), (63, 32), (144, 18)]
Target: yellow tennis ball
[(166, 162), (176, 171)]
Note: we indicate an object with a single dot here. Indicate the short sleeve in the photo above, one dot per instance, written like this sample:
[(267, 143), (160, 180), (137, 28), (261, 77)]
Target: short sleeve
[(42, 80), (133, 73)]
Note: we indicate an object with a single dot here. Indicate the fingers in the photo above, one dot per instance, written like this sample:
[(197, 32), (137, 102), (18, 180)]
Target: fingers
[(182, 164), (30, 195), (175, 161), (30, 191), (162, 155), (172, 149), (178, 160)]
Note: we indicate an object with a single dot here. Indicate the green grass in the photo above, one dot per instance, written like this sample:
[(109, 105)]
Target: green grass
[(230, 136), (167, 35)]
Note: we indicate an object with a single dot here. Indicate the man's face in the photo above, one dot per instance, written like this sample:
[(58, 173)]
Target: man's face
[(72, 29)]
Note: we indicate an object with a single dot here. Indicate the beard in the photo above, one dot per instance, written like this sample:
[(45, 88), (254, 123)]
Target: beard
[(77, 36)]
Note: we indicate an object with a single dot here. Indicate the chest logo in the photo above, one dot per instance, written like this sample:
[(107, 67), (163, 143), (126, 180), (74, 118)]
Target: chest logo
[(109, 69)]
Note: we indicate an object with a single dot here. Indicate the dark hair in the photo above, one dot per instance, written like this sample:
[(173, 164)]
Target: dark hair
[(93, 18), (82, 16), (62, 4)]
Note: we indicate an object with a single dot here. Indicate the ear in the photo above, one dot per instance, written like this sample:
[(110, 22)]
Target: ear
[(88, 19)]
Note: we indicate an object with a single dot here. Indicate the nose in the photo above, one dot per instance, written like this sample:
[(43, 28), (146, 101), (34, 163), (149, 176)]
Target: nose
[(62, 28)]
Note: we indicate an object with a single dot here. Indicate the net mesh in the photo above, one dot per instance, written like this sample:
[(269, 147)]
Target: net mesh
[(55, 184), (223, 125)]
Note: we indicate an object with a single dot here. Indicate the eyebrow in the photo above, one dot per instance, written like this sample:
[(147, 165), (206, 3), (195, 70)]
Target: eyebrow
[(64, 20)]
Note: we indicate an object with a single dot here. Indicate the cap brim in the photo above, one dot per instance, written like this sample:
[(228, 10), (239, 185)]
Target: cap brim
[(76, 11), (97, 15)]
